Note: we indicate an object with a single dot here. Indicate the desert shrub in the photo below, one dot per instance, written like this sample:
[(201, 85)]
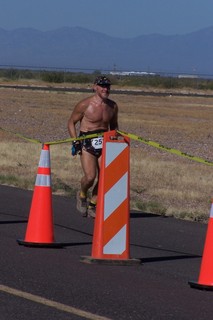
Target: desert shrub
[(55, 77)]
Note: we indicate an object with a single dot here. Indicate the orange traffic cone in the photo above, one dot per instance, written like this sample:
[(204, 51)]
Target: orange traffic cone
[(111, 230), (40, 223), (205, 281)]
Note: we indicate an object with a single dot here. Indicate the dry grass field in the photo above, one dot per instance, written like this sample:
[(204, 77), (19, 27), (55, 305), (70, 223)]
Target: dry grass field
[(160, 182)]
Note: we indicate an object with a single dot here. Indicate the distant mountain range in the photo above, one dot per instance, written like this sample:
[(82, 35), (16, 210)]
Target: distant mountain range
[(82, 49)]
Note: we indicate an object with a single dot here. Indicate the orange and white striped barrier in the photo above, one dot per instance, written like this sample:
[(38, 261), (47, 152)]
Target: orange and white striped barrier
[(205, 281), (40, 223), (111, 231)]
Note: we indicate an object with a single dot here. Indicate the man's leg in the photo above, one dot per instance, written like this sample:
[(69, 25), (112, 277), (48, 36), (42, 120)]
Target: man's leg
[(93, 201), (89, 166), (88, 163), (95, 189)]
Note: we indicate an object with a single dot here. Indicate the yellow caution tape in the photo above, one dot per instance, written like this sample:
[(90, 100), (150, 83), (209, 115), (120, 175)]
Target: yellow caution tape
[(160, 146), (94, 135), (89, 136), (130, 135), (21, 136)]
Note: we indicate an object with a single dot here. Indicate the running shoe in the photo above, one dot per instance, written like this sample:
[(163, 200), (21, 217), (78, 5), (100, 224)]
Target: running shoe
[(91, 211)]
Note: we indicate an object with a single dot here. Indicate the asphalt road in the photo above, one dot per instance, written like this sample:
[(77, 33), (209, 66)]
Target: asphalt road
[(52, 283)]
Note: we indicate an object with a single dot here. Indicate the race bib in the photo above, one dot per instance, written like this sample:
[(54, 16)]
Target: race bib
[(97, 143)]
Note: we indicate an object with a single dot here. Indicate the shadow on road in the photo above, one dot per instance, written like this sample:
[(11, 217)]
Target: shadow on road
[(138, 214), (168, 258), (176, 255), (13, 221)]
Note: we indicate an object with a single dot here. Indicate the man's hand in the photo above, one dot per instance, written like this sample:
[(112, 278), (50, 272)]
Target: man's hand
[(76, 148)]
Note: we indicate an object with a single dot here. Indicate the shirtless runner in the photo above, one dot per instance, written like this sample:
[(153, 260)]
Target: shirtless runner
[(96, 114)]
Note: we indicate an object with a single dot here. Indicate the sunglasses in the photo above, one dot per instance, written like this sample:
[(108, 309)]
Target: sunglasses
[(104, 86)]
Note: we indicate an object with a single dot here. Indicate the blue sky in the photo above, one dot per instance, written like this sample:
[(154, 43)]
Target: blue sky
[(119, 18)]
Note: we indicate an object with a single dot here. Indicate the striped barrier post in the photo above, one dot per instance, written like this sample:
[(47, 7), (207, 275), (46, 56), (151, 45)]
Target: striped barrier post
[(40, 231), (111, 231)]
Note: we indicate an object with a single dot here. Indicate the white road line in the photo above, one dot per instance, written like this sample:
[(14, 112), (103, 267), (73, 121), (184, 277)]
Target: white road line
[(52, 304)]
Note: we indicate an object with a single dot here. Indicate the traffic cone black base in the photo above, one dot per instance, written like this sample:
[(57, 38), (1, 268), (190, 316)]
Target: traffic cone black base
[(114, 262), (200, 286), (39, 245)]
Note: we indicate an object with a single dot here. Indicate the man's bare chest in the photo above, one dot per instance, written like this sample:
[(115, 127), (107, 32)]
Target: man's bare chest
[(99, 113)]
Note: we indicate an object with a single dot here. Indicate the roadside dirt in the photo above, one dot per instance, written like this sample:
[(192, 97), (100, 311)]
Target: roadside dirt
[(181, 122)]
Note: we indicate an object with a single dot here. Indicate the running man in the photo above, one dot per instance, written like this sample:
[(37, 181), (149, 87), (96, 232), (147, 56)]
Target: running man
[(96, 114)]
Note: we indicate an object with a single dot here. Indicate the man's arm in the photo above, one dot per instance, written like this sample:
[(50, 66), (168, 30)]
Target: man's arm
[(75, 117)]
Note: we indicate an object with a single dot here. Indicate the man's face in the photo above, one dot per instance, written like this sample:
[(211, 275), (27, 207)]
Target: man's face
[(102, 90)]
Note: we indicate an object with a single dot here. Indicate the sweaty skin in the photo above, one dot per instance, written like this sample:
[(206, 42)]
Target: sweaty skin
[(94, 113)]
